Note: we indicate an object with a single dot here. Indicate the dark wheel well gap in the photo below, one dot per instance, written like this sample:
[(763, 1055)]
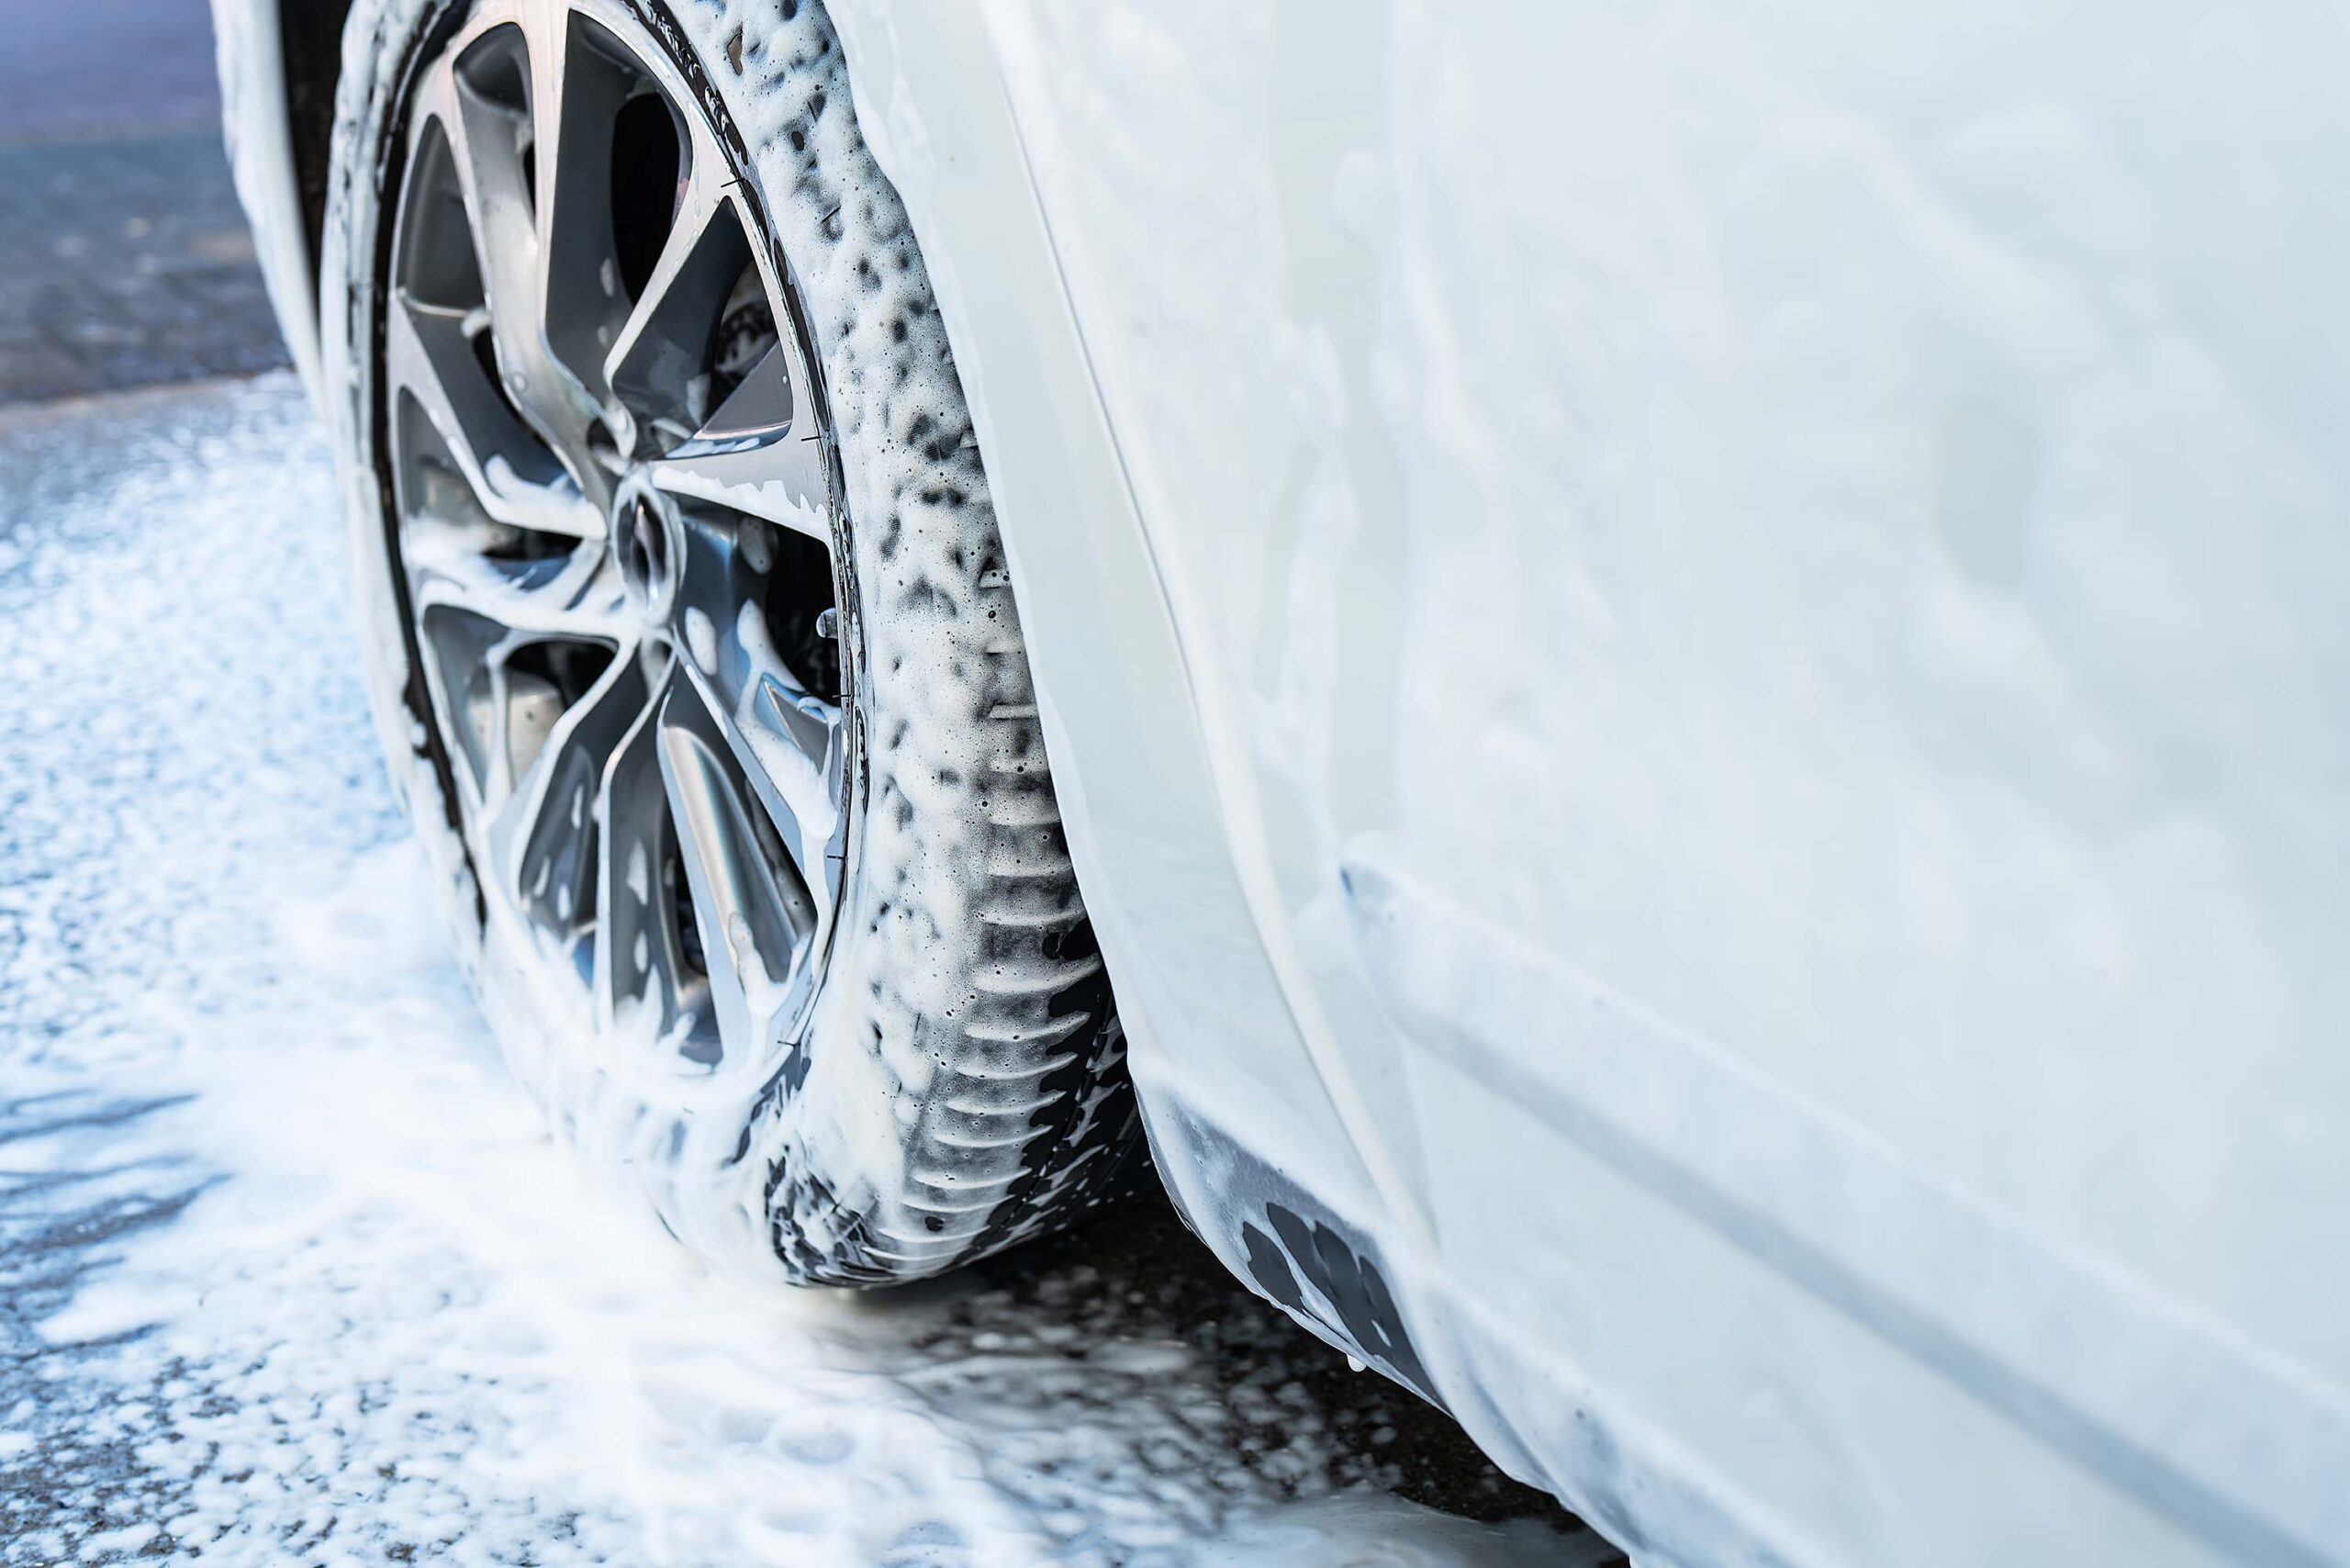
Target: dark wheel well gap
[(309, 34)]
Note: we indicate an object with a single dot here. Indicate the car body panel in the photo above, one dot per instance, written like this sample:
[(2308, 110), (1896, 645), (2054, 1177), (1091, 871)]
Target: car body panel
[(1810, 576), (1696, 665), (254, 111)]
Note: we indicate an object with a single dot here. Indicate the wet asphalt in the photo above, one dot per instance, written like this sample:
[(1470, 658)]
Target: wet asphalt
[(124, 258)]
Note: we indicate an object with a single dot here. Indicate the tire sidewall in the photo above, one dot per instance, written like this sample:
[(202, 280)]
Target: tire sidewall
[(350, 328)]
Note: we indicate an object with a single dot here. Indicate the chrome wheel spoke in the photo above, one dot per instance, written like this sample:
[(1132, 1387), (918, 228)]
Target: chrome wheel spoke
[(542, 836), (754, 914), (578, 91), (574, 594), (791, 742), (657, 360), (488, 139), (645, 987), (500, 105), (747, 459), (430, 356)]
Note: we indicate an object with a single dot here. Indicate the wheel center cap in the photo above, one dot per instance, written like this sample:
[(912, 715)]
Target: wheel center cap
[(648, 547)]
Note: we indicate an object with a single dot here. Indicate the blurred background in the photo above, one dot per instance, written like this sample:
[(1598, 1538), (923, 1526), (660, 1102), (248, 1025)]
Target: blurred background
[(124, 260)]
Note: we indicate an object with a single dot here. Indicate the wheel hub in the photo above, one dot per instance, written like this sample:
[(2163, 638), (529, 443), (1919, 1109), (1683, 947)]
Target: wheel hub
[(648, 545)]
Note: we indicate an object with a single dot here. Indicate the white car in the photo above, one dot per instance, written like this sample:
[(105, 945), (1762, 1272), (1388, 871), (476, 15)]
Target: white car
[(1696, 663)]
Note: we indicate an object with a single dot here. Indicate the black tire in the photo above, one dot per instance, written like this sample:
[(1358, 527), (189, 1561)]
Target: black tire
[(962, 1084)]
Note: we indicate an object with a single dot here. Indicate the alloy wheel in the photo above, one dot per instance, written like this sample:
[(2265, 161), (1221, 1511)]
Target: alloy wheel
[(617, 517)]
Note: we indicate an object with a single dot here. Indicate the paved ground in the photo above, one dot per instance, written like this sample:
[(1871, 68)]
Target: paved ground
[(124, 258), (106, 66)]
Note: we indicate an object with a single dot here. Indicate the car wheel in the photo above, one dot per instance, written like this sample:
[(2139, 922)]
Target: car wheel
[(691, 637)]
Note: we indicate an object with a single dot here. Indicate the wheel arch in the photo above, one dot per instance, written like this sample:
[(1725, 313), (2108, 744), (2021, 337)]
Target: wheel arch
[(1144, 769)]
